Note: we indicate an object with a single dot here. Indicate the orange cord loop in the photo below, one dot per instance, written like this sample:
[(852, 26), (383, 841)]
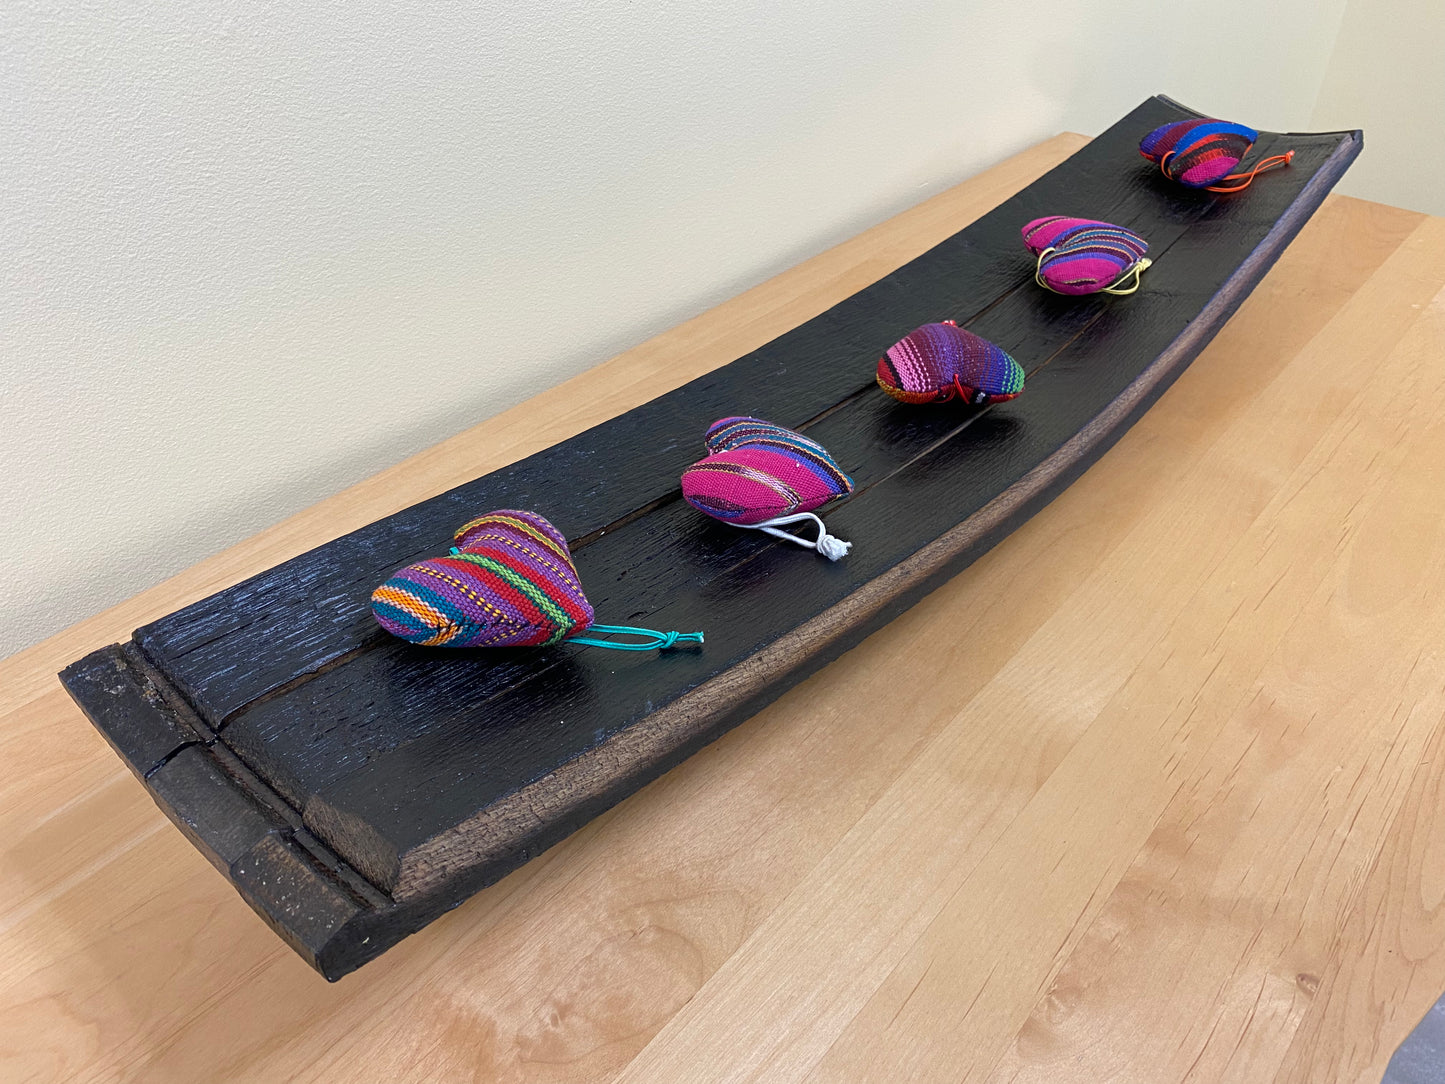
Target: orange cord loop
[(1273, 162), (1268, 164)]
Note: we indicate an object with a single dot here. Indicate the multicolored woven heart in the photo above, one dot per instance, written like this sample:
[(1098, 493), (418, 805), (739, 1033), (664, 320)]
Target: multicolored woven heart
[(1083, 255), (1198, 152), (939, 362), (757, 471), (1201, 152), (509, 582)]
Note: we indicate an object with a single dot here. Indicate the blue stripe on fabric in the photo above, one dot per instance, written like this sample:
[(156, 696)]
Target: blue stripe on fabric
[(1204, 131), (1100, 236)]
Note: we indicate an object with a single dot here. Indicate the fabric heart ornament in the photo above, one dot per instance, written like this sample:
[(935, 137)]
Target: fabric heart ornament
[(1085, 256), (765, 476), (508, 582), (1201, 151), (939, 362)]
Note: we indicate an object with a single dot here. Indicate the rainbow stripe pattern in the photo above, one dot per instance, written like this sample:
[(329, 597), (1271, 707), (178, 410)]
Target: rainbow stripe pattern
[(757, 471), (509, 582), (1082, 255), (1199, 152), (939, 362)]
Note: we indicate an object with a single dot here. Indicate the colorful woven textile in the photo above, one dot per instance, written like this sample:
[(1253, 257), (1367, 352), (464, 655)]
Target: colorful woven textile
[(509, 582), (757, 471), (1081, 255), (1199, 152), (939, 362)]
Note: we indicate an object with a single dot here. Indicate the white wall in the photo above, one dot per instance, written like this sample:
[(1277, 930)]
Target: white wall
[(1387, 76), (254, 252)]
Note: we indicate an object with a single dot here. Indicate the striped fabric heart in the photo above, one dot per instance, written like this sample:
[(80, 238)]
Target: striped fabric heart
[(939, 362), (757, 471), (1084, 256), (509, 582), (1200, 153)]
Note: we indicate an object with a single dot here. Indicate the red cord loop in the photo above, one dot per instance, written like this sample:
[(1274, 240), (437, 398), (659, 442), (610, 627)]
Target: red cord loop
[(966, 394)]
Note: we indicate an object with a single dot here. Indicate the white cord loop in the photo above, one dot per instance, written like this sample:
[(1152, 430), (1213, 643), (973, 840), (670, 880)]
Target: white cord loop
[(829, 546), (1117, 287)]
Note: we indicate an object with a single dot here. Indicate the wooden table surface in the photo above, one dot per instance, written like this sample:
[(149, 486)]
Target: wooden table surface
[(1155, 791)]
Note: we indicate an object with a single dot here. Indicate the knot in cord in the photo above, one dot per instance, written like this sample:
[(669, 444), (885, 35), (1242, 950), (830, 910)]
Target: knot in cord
[(658, 641), (828, 545)]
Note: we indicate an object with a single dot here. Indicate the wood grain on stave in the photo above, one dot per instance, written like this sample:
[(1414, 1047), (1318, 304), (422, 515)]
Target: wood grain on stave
[(625, 950)]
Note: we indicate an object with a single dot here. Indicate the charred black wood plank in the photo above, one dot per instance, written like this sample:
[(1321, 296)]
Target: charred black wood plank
[(354, 787)]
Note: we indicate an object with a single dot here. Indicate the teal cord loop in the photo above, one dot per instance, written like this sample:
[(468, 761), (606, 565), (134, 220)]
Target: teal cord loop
[(655, 641), (659, 641)]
